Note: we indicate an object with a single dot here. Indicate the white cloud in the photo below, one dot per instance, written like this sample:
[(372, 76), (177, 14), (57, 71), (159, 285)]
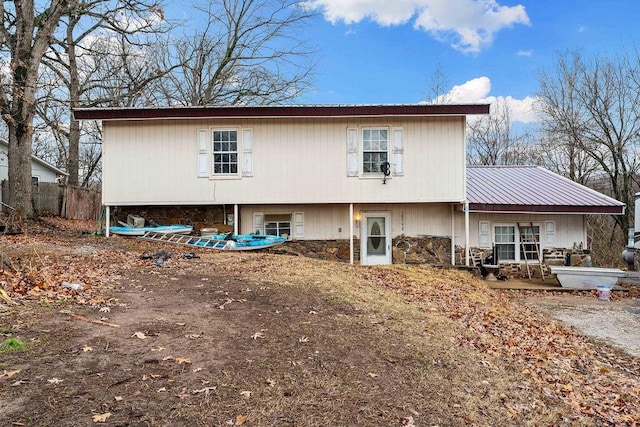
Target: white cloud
[(477, 91), (468, 25), (525, 53)]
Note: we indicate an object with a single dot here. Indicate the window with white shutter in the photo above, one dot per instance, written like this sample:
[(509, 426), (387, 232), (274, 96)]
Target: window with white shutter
[(484, 234), (398, 152), (247, 152), (352, 152), (203, 153), (550, 233), (258, 223)]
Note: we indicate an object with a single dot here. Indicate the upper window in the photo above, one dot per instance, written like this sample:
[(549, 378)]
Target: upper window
[(225, 152), (375, 149)]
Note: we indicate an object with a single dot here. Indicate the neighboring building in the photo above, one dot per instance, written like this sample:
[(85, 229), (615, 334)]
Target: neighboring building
[(41, 171), (372, 177)]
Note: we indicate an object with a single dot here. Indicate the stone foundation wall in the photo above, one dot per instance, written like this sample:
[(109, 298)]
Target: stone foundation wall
[(332, 250), (550, 256), (197, 216), (406, 250), (433, 250)]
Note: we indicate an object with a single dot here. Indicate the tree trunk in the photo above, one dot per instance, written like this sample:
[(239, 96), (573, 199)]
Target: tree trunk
[(20, 185)]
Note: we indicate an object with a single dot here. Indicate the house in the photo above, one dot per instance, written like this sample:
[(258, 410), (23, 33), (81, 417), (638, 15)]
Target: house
[(351, 182), (41, 171)]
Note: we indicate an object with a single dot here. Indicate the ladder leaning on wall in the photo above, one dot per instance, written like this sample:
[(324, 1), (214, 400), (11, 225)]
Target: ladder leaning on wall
[(530, 246)]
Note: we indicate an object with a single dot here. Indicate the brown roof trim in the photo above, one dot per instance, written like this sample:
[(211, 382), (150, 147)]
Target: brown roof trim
[(278, 111), (608, 210)]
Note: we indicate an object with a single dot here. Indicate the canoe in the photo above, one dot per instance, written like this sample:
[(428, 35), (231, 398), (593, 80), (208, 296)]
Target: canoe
[(586, 277), (223, 242), (237, 242), (140, 231)]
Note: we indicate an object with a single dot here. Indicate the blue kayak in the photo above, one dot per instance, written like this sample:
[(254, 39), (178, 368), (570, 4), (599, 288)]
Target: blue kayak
[(140, 231), (236, 242)]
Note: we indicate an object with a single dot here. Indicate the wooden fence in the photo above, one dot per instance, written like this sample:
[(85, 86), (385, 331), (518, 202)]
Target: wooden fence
[(81, 203), (64, 201)]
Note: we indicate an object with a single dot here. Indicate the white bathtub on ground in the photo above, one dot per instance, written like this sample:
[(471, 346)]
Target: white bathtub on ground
[(586, 277)]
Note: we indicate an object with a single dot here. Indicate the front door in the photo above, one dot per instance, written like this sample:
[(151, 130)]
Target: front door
[(375, 241)]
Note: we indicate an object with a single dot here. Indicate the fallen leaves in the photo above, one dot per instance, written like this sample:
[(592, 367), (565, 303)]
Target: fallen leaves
[(9, 374), (550, 352), (101, 418)]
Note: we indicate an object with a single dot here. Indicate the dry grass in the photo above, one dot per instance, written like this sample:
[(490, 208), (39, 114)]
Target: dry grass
[(302, 342)]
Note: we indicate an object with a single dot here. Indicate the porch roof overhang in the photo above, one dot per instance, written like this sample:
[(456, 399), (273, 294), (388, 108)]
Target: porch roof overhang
[(282, 111), (533, 189)]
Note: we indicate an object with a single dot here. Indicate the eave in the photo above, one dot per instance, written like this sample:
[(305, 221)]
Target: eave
[(281, 111), (547, 209)]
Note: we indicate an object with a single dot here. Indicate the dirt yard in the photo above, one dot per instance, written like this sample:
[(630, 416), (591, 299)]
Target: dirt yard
[(217, 339)]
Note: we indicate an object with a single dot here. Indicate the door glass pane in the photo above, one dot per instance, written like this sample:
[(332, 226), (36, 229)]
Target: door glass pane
[(376, 239)]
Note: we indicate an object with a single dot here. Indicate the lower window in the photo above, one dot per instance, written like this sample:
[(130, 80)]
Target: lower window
[(277, 225), (505, 241)]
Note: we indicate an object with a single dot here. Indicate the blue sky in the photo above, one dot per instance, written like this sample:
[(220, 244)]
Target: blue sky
[(383, 51)]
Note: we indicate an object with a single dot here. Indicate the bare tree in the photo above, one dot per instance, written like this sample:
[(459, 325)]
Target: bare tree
[(24, 39), (491, 139), (249, 52), (437, 91), (99, 40), (592, 107)]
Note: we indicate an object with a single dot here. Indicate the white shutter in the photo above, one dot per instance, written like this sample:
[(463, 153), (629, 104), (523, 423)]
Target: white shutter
[(398, 152), (203, 153), (247, 152), (484, 234), (352, 152), (298, 225), (550, 233), (258, 222)]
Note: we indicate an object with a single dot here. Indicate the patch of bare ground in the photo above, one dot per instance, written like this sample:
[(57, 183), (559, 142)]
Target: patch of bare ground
[(258, 339)]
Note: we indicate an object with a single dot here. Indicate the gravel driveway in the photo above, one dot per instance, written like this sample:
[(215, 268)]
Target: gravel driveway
[(616, 321)]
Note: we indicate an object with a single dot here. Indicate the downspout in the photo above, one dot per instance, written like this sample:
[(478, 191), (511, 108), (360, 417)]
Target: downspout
[(467, 251), (350, 233), (107, 220)]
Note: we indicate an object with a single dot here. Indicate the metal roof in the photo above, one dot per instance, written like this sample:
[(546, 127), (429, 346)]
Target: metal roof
[(533, 189), (284, 111)]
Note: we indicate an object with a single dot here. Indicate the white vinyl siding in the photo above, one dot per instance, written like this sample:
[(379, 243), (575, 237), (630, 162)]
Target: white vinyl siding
[(294, 161)]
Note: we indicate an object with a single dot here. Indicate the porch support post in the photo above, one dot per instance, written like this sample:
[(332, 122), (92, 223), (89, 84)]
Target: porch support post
[(453, 233), (236, 220), (107, 220), (350, 233), (467, 250)]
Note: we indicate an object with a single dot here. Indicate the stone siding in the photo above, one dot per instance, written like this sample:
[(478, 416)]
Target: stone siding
[(197, 216)]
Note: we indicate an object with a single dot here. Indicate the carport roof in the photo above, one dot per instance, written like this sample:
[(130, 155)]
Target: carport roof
[(533, 189)]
